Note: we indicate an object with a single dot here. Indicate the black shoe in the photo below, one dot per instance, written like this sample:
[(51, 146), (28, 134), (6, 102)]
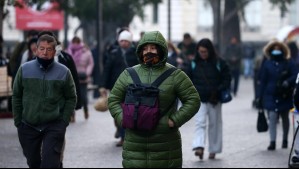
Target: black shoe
[(284, 144), (117, 134), (86, 115), (272, 146), (120, 143), (199, 152)]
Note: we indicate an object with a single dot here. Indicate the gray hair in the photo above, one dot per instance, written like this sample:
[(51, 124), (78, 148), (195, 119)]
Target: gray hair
[(47, 38)]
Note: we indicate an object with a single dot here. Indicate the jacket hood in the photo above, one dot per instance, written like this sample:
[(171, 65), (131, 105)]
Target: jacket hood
[(271, 44), (154, 37)]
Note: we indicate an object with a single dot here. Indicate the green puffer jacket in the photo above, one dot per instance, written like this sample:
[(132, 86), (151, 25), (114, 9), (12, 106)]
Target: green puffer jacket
[(162, 146)]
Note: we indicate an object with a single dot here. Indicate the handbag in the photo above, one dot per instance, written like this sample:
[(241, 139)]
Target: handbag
[(262, 125), (225, 96), (101, 104)]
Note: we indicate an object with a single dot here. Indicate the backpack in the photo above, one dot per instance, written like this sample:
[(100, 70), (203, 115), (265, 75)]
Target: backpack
[(141, 105)]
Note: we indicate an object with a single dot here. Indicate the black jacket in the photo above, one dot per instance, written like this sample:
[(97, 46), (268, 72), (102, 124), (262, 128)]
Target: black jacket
[(296, 96), (116, 63), (67, 60), (210, 77)]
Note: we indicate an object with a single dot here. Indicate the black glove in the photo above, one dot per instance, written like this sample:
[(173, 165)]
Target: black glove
[(259, 103), (285, 84), (214, 100)]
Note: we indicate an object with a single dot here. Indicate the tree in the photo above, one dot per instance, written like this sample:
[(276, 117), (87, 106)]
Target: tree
[(229, 24), (116, 13)]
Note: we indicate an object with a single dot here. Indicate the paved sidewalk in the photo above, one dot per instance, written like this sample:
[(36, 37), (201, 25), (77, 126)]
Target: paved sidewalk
[(91, 143)]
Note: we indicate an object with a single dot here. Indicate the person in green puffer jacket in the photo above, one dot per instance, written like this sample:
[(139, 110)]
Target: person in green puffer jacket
[(161, 147)]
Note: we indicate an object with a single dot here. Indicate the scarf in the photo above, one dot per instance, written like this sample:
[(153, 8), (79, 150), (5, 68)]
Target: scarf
[(76, 51), (151, 59), (45, 62)]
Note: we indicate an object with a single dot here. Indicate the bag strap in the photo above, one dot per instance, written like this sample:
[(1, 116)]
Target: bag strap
[(157, 82), (164, 76), (134, 75)]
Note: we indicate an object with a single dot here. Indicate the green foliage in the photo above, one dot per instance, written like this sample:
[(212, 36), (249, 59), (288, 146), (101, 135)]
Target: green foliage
[(119, 11)]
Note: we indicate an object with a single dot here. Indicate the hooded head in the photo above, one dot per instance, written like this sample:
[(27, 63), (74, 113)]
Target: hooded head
[(157, 39), (276, 50)]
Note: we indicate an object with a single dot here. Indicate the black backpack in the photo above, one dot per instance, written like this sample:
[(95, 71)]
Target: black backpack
[(141, 105)]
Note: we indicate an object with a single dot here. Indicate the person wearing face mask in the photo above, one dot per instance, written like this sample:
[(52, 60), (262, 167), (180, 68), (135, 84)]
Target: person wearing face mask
[(162, 146), (277, 80), (44, 97)]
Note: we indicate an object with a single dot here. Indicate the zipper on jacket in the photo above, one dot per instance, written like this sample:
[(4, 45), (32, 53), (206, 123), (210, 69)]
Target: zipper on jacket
[(44, 90), (149, 75)]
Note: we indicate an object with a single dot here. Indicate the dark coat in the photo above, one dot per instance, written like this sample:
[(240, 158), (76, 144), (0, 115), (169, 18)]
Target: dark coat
[(272, 95), (116, 63), (296, 95), (210, 77), (67, 60), (233, 55)]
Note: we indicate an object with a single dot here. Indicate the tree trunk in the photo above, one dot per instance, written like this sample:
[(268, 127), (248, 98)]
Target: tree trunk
[(231, 22), (1, 25), (216, 6), (2, 2)]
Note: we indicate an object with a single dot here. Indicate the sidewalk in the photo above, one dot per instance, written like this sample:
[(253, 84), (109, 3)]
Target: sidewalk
[(91, 143)]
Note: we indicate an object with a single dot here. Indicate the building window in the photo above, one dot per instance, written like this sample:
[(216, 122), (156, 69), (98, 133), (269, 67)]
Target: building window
[(155, 13), (253, 16), (205, 16)]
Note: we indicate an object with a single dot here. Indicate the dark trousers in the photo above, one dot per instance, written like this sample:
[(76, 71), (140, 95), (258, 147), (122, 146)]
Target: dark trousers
[(42, 148), (235, 80), (84, 98)]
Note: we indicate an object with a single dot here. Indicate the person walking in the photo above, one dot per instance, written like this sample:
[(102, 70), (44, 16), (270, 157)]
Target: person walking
[(210, 76), (233, 55), (44, 98), (187, 47), (18, 58), (248, 60), (160, 147), (84, 64), (278, 76), (122, 57), (66, 59)]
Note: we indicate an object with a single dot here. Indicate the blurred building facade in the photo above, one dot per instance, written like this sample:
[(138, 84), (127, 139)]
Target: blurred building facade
[(262, 23)]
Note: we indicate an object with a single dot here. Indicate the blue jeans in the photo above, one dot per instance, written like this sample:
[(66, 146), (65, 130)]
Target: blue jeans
[(248, 68)]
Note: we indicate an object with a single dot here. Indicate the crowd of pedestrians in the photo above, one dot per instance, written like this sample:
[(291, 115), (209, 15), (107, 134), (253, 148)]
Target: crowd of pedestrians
[(50, 82)]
